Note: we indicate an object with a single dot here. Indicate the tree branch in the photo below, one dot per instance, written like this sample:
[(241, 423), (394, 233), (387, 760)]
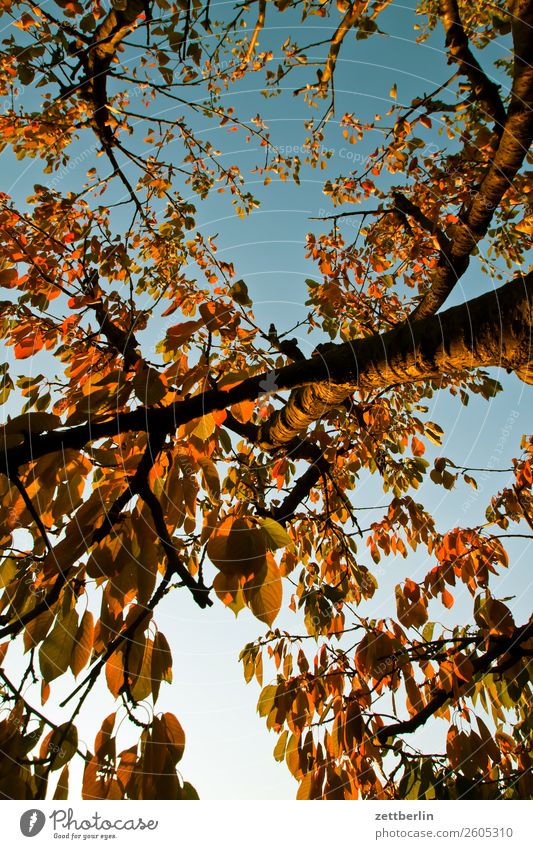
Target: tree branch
[(484, 331), (407, 206), (111, 517), (497, 648), (492, 330), (255, 35), (325, 77), (486, 92), (176, 567), (514, 143), (301, 489), (31, 510)]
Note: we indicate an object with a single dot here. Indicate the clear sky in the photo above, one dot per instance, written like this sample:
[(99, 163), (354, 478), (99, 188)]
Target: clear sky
[(229, 751)]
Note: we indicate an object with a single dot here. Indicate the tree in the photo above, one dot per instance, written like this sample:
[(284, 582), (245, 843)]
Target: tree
[(224, 465)]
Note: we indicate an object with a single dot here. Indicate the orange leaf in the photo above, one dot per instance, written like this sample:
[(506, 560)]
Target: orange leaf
[(228, 589), (28, 346), (8, 278), (180, 333), (114, 673), (417, 447), (447, 599)]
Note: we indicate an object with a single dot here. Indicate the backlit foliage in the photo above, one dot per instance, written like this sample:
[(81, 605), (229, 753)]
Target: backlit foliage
[(217, 461)]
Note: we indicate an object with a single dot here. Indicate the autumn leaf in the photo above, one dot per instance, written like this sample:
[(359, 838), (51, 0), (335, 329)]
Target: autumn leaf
[(263, 592), (239, 293), (149, 386), (228, 588), (161, 669), (274, 534), (83, 644), (55, 651), (237, 547)]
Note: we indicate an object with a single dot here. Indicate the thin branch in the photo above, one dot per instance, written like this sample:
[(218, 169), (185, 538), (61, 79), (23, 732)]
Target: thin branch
[(255, 35), (31, 510), (175, 566), (477, 213)]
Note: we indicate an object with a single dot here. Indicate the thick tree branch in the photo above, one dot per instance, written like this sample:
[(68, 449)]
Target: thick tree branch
[(492, 330), (485, 91), (301, 489), (482, 332), (350, 18), (515, 141)]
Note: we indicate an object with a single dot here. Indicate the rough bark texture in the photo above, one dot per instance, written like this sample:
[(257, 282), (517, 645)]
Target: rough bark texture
[(492, 330), (458, 47)]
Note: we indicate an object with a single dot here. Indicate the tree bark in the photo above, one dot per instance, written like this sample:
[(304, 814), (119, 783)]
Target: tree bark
[(492, 330)]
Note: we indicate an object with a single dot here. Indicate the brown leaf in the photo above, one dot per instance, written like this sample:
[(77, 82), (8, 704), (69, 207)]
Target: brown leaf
[(237, 547), (161, 663), (264, 592), (175, 736), (83, 644), (114, 672)]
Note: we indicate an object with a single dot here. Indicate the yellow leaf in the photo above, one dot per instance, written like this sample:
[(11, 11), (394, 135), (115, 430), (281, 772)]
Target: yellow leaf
[(525, 226), (274, 534), (142, 687), (61, 791), (279, 750), (202, 428)]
